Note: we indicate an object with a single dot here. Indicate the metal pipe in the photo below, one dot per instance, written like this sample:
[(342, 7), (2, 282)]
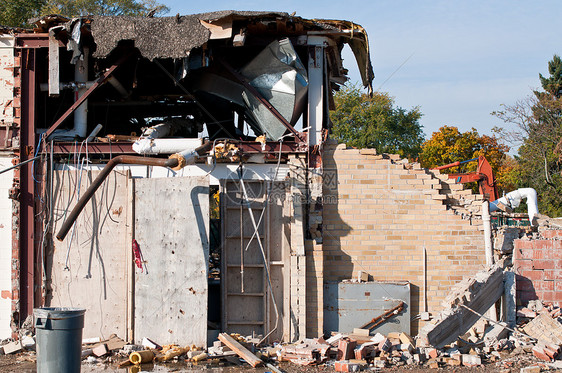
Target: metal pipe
[(122, 159), (454, 164), (188, 156), (487, 233), (20, 164), (513, 199), (81, 112)]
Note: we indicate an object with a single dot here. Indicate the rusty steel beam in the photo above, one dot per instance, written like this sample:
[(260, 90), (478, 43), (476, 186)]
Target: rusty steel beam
[(117, 148), (102, 79), (27, 194), (385, 316), (253, 147), (121, 159), (33, 41), (125, 148)]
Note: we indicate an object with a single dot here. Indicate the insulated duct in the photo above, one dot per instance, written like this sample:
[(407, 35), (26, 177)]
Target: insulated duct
[(278, 75), (513, 199)]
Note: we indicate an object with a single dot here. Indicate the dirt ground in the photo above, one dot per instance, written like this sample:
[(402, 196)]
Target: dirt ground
[(25, 363)]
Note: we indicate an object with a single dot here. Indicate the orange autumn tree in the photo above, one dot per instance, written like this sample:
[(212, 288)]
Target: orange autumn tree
[(449, 145)]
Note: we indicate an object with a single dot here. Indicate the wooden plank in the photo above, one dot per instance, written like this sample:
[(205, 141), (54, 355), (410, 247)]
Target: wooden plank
[(54, 79), (240, 350)]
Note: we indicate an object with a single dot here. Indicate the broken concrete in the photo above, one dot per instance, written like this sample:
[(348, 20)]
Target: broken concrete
[(478, 293)]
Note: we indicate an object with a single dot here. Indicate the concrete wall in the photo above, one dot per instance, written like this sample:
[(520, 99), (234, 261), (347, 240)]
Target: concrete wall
[(6, 78), (378, 216), (538, 267), (5, 248), (6, 116)]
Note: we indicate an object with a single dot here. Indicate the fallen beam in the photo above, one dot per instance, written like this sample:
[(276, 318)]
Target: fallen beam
[(240, 350), (477, 293)]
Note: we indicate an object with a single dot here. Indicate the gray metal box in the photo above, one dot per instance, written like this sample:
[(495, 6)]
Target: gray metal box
[(349, 305)]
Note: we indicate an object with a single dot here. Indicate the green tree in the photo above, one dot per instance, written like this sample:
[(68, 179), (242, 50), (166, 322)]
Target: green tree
[(536, 123), (449, 145), (73, 8), (365, 121), (16, 13)]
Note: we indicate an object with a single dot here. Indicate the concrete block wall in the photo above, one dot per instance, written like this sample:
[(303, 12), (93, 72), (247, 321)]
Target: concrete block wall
[(538, 267), (5, 248), (378, 215), (6, 78), (7, 82)]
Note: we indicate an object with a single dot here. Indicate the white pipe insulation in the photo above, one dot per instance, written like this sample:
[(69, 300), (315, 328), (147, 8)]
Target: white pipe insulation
[(81, 85), (513, 200), (487, 233), (81, 112), (164, 146), (153, 141)]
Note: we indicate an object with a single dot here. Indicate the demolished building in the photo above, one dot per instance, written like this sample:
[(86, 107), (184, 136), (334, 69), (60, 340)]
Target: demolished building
[(180, 181)]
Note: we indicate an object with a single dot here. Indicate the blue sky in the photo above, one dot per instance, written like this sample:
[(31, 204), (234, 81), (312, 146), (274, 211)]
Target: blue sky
[(467, 57)]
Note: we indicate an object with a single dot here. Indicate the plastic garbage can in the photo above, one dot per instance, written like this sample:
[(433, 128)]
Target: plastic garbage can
[(58, 332)]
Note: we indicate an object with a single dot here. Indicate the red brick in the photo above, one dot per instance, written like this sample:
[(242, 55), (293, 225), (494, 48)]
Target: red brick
[(522, 244), (551, 233), (523, 264), (346, 366), (346, 347), (539, 353), (547, 296), (542, 244), (544, 264), (532, 275), (539, 254), (544, 285)]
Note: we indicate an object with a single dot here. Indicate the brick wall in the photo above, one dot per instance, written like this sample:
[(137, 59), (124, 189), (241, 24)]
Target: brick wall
[(538, 267), (378, 215)]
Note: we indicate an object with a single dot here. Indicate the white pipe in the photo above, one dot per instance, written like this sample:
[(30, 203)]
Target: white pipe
[(487, 233), (164, 146), (81, 112), (158, 131), (94, 133), (513, 200)]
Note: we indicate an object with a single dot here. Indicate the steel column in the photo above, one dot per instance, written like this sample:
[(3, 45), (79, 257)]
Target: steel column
[(27, 185)]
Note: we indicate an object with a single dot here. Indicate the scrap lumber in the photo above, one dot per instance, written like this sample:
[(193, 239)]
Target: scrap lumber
[(477, 293), (240, 350)]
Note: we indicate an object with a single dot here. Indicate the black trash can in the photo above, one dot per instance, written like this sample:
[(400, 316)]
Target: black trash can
[(58, 332)]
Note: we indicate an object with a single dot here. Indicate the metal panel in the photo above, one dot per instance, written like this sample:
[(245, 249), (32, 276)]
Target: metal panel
[(351, 305), (171, 225)]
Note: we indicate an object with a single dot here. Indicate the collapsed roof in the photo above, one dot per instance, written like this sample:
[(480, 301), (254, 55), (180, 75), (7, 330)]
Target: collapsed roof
[(250, 63)]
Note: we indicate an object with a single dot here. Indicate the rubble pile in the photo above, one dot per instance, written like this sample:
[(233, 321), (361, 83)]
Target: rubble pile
[(534, 345)]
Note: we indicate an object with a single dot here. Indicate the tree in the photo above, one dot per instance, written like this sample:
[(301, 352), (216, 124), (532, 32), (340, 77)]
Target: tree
[(536, 124), (73, 8), (16, 13), (449, 145), (373, 121)]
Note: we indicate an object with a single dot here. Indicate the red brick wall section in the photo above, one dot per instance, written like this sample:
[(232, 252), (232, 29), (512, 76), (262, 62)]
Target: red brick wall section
[(378, 215), (538, 268)]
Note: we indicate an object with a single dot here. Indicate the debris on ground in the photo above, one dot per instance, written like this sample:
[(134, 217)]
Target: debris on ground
[(533, 346)]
